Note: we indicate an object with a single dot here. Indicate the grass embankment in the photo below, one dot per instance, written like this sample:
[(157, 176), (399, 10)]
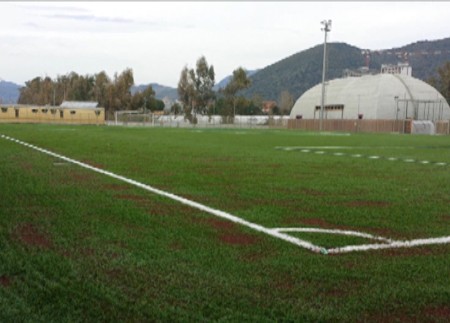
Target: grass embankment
[(77, 246)]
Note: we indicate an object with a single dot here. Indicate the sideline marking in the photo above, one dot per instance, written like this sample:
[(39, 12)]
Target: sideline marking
[(199, 206), (274, 232), (313, 150)]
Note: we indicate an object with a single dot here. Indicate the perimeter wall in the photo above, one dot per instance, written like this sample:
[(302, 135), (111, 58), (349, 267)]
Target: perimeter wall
[(361, 125)]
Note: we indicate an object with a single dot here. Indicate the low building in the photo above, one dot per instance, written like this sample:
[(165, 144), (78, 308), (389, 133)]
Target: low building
[(381, 101), (69, 112), (383, 96)]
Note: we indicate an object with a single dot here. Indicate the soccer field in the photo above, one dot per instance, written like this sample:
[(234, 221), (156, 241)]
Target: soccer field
[(136, 224)]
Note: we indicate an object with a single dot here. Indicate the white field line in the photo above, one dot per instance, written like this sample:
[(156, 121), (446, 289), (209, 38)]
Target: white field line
[(336, 231), (392, 245), (276, 232), (221, 214), (389, 243), (313, 149)]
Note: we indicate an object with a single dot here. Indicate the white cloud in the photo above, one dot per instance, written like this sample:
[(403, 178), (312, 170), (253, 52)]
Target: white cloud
[(157, 39)]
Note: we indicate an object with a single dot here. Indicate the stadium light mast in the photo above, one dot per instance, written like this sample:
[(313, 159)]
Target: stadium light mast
[(326, 28)]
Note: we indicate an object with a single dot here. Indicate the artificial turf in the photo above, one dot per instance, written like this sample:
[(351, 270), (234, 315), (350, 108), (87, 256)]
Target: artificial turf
[(79, 246)]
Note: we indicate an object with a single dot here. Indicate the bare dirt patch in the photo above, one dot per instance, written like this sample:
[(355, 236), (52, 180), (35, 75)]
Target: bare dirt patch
[(115, 274), (77, 176), (220, 224), (284, 283), (241, 239), (5, 281), (312, 192), (317, 222), (176, 246), (164, 209), (26, 166), (427, 314), (228, 232), (153, 207), (31, 236), (117, 187), (130, 197), (216, 223), (438, 312)]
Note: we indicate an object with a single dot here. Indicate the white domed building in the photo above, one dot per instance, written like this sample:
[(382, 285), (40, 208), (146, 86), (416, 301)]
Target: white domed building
[(385, 96)]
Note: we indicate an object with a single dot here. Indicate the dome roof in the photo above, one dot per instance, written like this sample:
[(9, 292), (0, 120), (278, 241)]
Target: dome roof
[(381, 96)]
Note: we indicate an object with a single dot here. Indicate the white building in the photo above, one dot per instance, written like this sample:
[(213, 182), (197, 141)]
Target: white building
[(382, 96)]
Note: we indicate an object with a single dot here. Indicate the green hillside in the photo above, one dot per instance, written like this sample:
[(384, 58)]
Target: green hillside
[(301, 71), (425, 57)]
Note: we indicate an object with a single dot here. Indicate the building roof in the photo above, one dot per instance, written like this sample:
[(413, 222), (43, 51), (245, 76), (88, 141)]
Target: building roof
[(381, 96), (79, 105)]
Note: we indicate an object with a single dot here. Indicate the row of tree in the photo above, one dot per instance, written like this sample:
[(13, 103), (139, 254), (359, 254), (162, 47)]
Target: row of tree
[(441, 81), (195, 91), (112, 94), (196, 94)]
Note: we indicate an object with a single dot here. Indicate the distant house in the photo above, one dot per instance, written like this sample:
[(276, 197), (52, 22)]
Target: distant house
[(268, 106), (71, 112), (79, 105)]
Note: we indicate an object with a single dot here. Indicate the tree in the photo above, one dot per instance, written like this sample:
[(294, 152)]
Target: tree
[(38, 91), (204, 82), (112, 95), (239, 81), (102, 81), (286, 102), (176, 109), (148, 96), (442, 80), (154, 104), (186, 92), (195, 89), (122, 87)]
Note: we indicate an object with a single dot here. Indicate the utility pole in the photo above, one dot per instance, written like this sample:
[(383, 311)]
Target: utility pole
[(326, 28)]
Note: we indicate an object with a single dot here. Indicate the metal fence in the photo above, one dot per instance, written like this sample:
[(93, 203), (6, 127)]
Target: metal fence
[(201, 121), (361, 125)]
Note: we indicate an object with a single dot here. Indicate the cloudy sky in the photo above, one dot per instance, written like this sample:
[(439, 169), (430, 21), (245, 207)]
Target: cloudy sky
[(157, 39)]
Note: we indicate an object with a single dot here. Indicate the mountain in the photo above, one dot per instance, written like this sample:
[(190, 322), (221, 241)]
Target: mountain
[(9, 92), (222, 83), (161, 91), (425, 57), (303, 70)]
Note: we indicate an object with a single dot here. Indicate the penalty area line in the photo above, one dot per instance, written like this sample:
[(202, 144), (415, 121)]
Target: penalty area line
[(257, 227), (392, 245), (274, 232)]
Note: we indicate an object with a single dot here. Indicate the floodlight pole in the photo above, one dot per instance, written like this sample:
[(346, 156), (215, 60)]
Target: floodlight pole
[(326, 28)]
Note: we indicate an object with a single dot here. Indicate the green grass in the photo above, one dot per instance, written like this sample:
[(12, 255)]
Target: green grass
[(79, 246)]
